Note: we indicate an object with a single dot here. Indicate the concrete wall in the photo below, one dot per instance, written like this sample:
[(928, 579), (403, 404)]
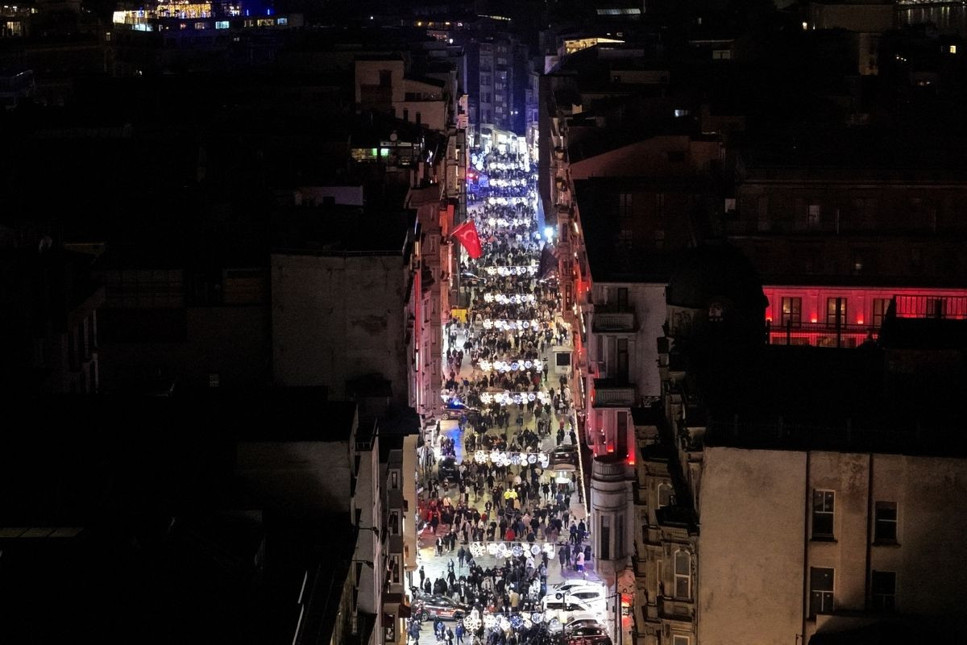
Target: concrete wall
[(337, 318), (303, 479), (232, 342), (930, 494), (751, 547)]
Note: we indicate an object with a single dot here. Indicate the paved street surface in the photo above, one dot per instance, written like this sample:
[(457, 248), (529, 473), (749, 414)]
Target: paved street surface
[(503, 516)]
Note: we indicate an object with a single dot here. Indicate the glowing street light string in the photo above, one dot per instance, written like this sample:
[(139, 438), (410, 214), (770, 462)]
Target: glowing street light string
[(504, 458), (511, 324), (514, 398), (515, 299), (510, 366)]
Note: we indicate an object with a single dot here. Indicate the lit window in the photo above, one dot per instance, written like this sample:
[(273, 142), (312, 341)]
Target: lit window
[(953, 49), (823, 502), (820, 591), (885, 523), (883, 585), (221, 24), (791, 312), (683, 575), (201, 25), (813, 215), (835, 310), (879, 310)]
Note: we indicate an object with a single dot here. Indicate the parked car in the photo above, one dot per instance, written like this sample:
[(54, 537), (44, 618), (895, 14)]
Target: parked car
[(437, 606), (569, 585), (581, 624), (595, 598), (567, 610)]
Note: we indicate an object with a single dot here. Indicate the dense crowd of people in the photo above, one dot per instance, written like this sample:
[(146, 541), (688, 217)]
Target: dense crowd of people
[(495, 498)]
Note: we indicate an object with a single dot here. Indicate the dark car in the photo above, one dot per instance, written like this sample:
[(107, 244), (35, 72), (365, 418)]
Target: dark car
[(564, 457), (584, 624), (436, 606), (447, 469)]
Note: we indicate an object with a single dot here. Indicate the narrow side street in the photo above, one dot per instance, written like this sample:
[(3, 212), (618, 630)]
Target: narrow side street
[(505, 553)]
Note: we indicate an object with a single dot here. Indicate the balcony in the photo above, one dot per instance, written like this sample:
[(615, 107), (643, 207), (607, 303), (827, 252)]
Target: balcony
[(604, 321), (613, 393), (677, 610)]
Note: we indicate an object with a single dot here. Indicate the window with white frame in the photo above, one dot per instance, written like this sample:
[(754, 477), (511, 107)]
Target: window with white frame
[(823, 513), (666, 495), (884, 523), (394, 569), (683, 575), (883, 586), (820, 590)]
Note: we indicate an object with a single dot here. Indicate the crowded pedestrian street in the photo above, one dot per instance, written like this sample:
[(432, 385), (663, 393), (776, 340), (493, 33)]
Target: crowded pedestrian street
[(504, 545)]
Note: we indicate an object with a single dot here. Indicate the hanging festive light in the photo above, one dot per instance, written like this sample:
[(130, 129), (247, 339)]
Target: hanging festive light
[(508, 366), (472, 621), (549, 549), (489, 620), (504, 623), (516, 621), (477, 549), (492, 548), (537, 617), (535, 549), (517, 550), (554, 625)]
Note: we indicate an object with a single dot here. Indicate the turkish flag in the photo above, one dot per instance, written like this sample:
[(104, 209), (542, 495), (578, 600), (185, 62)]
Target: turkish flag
[(466, 234)]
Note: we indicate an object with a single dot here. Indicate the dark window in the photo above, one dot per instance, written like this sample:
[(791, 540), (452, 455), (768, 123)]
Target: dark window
[(936, 307), (605, 546), (622, 297), (820, 591), (884, 591), (621, 356), (683, 575), (884, 529), (823, 501)]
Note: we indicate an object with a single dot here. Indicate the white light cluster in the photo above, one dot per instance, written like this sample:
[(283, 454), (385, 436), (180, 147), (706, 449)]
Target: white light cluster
[(515, 299), (500, 183), (511, 324), (514, 270), (512, 398), (504, 458), (510, 366)]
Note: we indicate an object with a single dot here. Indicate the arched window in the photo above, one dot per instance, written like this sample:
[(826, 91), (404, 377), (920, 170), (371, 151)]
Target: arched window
[(666, 495), (683, 575)]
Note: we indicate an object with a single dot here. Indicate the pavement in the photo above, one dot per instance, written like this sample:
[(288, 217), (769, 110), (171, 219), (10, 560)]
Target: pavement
[(434, 565)]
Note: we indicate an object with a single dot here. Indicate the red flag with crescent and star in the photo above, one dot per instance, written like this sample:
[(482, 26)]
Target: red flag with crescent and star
[(466, 234)]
